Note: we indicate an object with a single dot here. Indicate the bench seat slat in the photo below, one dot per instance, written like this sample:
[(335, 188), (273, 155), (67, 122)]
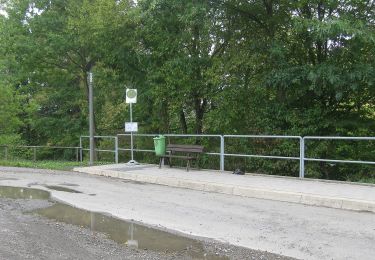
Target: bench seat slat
[(185, 148), (180, 156)]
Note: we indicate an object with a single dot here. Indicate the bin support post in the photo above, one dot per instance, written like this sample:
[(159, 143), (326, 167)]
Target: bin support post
[(302, 158), (116, 149), (222, 153)]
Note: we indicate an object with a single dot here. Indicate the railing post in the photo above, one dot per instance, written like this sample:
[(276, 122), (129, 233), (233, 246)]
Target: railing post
[(116, 149), (6, 152), (80, 149), (222, 152), (34, 154), (77, 154), (302, 158)]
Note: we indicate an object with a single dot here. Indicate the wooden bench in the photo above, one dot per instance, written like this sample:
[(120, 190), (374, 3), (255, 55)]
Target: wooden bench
[(191, 152)]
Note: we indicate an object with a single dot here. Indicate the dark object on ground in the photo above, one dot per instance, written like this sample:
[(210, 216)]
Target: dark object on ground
[(238, 171), (191, 153)]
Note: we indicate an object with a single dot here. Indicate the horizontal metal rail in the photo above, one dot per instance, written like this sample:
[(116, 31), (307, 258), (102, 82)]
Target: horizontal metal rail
[(100, 150), (144, 135), (262, 156), (99, 136), (339, 161), (265, 136), (41, 146), (339, 138), (353, 138), (153, 151)]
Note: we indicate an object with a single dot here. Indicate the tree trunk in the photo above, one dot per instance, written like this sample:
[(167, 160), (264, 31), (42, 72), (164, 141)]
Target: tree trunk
[(86, 84), (200, 108), (183, 122)]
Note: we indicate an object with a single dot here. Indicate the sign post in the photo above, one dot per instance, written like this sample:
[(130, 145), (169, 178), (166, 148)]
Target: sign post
[(131, 97), (91, 119)]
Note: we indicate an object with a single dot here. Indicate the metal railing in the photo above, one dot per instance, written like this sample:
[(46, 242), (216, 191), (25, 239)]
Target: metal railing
[(181, 136), (337, 138), (302, 149), (301, 172), (36, 147), (115, 150), (221, 151)]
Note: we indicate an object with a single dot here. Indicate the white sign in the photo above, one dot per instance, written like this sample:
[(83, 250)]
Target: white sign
[(131, 127), (131, 95)]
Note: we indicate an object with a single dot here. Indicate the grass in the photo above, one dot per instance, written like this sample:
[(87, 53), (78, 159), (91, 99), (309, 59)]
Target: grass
[(52, 165)]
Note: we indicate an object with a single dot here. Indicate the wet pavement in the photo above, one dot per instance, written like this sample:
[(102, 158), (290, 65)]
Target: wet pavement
[(125, 233)]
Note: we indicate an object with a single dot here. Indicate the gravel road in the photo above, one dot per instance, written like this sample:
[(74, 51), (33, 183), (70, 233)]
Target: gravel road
[(24, 235)]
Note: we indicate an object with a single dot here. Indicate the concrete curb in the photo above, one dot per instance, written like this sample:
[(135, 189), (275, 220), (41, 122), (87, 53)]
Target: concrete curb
[(285, 196)]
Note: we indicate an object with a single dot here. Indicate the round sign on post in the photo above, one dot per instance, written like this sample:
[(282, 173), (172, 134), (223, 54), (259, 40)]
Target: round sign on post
[(131, 96)]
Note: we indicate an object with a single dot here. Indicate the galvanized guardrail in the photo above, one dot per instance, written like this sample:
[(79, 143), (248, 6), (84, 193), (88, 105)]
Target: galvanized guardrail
[(338, 138), (36, 147), (222, 152), (302, 149), (115, 150), (300, 158)]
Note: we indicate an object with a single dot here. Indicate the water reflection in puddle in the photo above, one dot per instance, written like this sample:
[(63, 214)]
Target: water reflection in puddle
[(23, 193), (123, 232), (127, 233)]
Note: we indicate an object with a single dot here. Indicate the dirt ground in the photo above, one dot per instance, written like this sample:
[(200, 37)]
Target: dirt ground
[(27, 236)]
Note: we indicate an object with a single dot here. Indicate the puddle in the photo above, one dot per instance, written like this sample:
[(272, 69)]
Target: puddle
[(59, 188), (123, 232), (127, 233), (23, 193)]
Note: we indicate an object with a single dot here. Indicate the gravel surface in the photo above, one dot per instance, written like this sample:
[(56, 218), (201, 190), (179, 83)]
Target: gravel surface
[(27, 236)]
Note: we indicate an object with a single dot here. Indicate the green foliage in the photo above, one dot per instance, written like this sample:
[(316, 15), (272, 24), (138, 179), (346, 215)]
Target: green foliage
[(52, 165), (303, 67)]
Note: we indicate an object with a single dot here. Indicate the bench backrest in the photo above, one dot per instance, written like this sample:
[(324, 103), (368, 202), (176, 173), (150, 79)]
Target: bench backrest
[(185, 148)]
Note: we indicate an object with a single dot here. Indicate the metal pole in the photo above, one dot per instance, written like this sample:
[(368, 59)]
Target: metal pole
[(131, 133), (80, 149), (6, 152), (77, 154), (34, 154), (116, 149), (91, 119), (222, 152), (302, 158)]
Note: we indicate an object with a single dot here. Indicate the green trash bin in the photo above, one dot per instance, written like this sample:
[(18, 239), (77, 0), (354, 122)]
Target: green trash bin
[(159, 143)]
